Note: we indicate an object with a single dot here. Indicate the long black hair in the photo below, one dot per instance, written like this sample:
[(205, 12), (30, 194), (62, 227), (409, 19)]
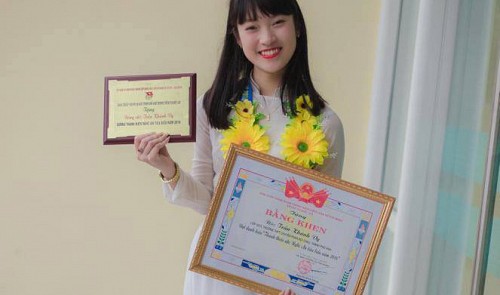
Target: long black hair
[(234, 69)]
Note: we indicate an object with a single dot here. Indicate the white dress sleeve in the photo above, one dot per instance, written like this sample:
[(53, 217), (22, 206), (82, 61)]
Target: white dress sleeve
[(334, 132), (195, 190)]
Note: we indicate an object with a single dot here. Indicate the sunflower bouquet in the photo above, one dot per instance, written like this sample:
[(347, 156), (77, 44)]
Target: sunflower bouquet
[(303, 141)]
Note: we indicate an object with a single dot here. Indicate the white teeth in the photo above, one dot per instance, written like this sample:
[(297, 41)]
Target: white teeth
[(270, 52)]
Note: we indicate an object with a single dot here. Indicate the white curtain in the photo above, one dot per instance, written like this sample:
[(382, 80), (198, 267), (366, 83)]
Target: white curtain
[(406, 134), (427, 139)]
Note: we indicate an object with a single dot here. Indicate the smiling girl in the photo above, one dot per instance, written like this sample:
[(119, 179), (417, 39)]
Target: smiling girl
[(262, 98)]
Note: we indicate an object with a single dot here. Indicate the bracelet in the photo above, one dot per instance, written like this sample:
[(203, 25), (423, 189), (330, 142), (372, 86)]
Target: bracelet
[(174, 178)]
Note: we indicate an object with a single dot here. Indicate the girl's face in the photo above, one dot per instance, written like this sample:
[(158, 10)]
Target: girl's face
[(268, 43)]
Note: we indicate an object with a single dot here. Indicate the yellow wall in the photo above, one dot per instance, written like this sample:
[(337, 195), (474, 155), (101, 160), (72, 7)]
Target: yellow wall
[(80, 218)]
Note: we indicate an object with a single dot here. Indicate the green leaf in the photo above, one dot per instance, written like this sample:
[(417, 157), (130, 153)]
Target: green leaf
[(258, 117)]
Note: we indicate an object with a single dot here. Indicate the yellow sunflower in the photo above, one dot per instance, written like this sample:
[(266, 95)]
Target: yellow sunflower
[(301, 104), (305, 117), (245, 134), (303, 145), (244, 110)]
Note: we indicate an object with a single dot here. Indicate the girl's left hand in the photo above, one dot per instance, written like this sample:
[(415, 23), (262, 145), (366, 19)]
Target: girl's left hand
[(287, 291)]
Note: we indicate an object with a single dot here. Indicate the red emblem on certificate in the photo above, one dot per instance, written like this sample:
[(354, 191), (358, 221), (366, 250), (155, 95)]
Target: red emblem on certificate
[(305, 193)]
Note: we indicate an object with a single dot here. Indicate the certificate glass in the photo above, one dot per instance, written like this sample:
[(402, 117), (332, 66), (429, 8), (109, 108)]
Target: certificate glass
[(274, 225), (135, 105)]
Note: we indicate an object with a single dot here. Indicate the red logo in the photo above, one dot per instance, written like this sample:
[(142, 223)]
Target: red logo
[(149, 94), (305, 193)]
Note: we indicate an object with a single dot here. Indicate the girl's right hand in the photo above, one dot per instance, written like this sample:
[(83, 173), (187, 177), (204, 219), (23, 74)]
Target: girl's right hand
[(287, 292), (151, 149)]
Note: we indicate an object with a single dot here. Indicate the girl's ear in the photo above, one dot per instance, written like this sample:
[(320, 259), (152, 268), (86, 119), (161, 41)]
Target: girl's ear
[(237, 38)]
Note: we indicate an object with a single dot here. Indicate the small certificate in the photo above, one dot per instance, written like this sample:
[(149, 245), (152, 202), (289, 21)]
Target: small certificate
[(274, 225), (135, 105)]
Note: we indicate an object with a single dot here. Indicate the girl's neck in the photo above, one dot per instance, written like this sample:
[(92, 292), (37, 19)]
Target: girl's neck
[(267, 83)]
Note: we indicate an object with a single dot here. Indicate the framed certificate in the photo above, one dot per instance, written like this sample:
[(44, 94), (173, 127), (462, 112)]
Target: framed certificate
[(274, 225), (135, 105)]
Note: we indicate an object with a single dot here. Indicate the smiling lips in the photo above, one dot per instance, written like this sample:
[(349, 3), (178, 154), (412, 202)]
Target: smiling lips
[(270, 53)]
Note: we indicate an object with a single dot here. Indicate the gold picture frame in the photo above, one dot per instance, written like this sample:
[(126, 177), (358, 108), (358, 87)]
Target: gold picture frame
[(273, 225)]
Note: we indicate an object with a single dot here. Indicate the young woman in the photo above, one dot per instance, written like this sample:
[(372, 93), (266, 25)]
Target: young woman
[(263, 98)]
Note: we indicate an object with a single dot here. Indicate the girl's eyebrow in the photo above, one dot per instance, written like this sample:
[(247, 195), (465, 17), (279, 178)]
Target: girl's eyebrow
[(249, 19)]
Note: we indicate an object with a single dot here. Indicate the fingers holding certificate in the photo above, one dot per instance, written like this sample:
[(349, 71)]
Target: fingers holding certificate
[(136, 105), (274, 225)]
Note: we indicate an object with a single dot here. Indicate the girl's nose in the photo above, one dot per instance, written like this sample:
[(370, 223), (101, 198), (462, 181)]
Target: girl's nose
[(267, 36)]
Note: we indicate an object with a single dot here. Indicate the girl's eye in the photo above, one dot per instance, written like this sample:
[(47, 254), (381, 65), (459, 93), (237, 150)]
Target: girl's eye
[(280, 21), (250, 28)]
